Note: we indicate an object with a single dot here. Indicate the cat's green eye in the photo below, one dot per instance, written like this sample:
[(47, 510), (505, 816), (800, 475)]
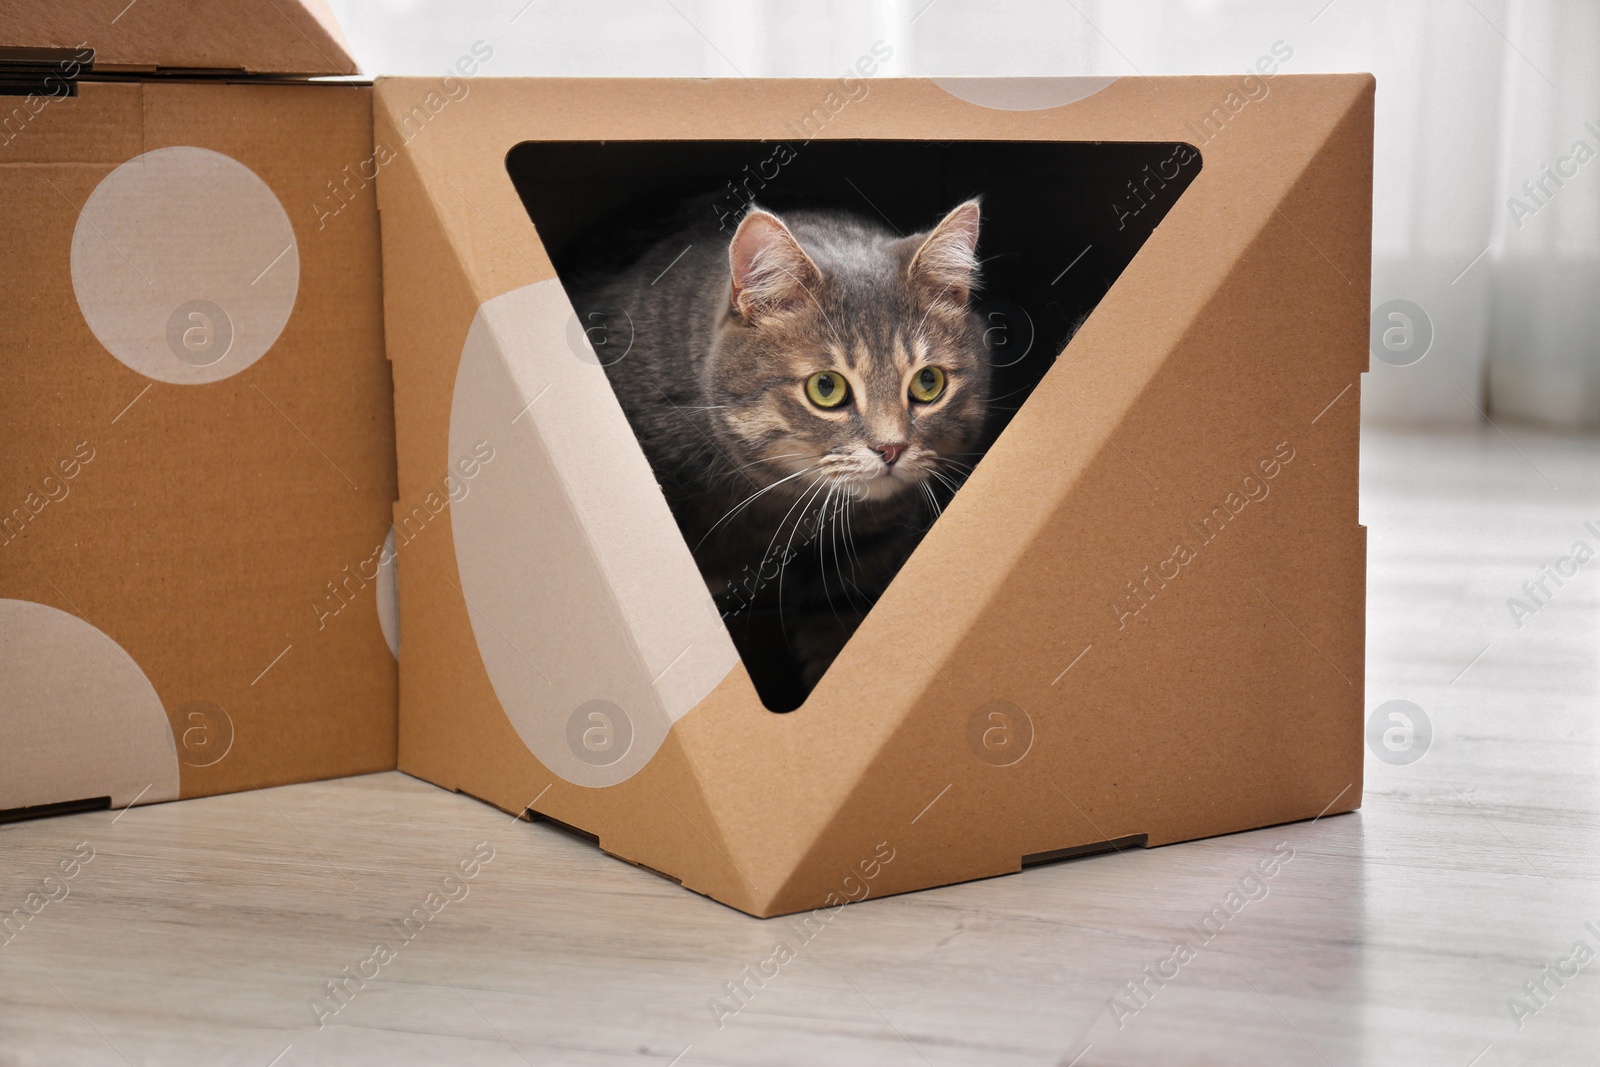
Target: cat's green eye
[(827, 389), (927, 384)]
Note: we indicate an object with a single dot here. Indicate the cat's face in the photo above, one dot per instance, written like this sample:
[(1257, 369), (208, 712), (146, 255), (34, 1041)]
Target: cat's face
[(849, 358)]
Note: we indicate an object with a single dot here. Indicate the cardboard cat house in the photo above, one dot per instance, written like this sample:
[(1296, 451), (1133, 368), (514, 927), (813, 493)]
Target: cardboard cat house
[(1139, 621), (199, 462)]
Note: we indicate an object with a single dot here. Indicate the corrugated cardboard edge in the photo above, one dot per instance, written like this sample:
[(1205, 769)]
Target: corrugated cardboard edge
[(276, 37)]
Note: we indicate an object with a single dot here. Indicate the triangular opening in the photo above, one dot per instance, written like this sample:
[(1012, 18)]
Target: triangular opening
[(1059, 223)]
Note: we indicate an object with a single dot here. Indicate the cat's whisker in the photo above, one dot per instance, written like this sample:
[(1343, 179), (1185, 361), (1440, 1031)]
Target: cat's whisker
[(850, 539), (783, 565), (693, 425), (746, 502), (840, 564), (832, 539), (835, 521), (948, 457), (991, 401), (949, 462), (825, 519), (945, 481), (841, 530), (756, 463), (802, 498)]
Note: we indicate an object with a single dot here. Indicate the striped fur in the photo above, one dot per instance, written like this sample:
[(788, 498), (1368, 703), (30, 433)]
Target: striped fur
[(789, 506)]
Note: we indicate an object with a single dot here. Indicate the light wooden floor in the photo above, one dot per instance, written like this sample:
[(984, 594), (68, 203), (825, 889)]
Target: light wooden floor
[(201, 931)]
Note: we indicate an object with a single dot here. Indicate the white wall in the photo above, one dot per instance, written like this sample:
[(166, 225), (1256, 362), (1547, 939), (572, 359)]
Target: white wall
[(1474, 96)]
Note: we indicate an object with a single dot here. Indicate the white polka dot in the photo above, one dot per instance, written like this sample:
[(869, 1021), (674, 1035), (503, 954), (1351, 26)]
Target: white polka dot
[(184, 265), (1022, 94), (590, 616), (387, 597), (81, 719)]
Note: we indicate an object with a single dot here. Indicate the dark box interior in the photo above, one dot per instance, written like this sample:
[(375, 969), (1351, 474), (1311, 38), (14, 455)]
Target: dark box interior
[(1061, 220)]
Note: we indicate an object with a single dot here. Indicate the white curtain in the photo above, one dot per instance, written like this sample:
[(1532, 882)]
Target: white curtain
[(1544, 356), (1475, 97)]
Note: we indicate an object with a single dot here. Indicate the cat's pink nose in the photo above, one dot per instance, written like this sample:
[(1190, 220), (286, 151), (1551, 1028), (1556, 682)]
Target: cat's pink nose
[(890, 453)]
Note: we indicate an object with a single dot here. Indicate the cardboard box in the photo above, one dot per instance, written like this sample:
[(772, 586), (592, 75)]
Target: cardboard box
[(199, 465), (1140, 621)]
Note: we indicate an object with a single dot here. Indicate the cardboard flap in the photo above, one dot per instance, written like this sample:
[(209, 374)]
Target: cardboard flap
[(277, 37)]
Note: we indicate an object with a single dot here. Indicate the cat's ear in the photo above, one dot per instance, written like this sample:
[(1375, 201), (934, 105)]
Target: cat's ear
[(771, 272), (945, 267)]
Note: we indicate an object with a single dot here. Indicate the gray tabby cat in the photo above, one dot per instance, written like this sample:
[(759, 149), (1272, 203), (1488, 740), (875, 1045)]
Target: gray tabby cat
[(807, 394)]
